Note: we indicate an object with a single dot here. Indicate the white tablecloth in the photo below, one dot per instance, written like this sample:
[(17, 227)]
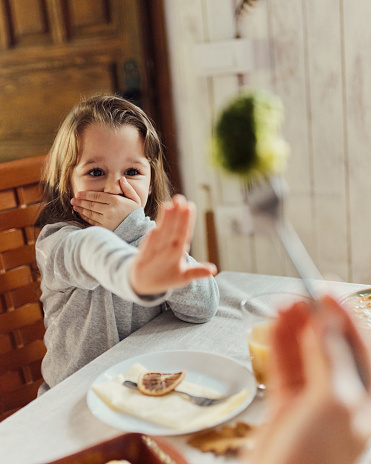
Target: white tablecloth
[(59, 423)]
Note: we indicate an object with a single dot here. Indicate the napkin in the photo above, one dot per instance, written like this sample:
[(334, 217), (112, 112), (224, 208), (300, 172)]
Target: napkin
[(173, 410)]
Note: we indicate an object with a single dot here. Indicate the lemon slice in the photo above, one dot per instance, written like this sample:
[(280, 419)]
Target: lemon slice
[(159, 384)]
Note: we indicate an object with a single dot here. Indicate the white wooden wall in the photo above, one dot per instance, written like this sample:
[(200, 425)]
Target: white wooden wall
[(316, 55)]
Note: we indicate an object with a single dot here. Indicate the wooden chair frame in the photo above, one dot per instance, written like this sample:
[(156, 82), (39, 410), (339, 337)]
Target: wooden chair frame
[(21, 316)]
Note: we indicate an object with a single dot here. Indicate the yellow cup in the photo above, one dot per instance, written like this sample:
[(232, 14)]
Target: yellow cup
[(259, 343)]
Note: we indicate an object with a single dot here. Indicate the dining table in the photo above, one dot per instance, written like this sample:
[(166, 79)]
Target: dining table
[(59, 422)]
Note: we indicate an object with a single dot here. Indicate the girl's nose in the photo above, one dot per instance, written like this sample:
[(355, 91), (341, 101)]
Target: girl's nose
[(112, 186)]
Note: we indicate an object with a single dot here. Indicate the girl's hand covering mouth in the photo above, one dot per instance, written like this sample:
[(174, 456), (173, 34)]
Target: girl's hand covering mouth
[(105, 209)]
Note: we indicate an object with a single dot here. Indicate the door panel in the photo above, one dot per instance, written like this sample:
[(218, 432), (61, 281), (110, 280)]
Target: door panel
[(53, 52)]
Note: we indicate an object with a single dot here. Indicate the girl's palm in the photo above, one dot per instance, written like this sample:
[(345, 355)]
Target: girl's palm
[(161, 263)]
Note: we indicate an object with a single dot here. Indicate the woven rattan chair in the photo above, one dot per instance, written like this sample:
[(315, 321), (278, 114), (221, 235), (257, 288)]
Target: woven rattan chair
[(21, 316)]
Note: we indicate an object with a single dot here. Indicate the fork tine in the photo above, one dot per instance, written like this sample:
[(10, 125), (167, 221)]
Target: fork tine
[(202, 401), (212, 401)]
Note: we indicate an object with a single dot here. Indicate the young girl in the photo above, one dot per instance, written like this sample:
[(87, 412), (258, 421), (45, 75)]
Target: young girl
[(106, 169)]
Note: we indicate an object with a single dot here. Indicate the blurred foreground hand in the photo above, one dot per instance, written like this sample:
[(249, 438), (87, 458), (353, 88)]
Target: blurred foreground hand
[(320, 412)]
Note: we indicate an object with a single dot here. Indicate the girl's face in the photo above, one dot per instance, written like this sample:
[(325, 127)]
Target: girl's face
[(108, 154)]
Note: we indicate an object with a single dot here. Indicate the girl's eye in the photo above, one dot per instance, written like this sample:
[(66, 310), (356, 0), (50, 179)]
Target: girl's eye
[(96, 172), (132, 172)]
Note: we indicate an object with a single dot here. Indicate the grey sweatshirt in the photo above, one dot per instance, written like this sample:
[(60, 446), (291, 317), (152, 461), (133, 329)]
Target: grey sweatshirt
[(88, 303)]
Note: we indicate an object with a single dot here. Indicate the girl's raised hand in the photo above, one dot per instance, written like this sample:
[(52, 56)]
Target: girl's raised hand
[(161, 262), (106, 209)]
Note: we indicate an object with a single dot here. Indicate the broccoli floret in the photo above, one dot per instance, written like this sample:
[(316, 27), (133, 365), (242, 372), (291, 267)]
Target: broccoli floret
[(247, 138)]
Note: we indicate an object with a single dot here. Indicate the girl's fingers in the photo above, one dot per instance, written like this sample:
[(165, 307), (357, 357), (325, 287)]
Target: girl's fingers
[(158, 239), (165, 226), (211, 267), (87, 205), (128, 190), (172, 224), (182, 220), (198, 272), (87, 213), (90, 221), (95, 197)]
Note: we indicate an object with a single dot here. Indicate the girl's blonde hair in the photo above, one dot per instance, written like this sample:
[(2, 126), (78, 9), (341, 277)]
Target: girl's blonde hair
[(113, 112)]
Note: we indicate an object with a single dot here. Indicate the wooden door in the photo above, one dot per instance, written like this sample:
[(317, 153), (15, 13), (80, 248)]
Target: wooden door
[(53, 52)]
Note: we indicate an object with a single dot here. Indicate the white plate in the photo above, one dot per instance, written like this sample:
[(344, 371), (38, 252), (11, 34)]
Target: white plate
[(210, 370)]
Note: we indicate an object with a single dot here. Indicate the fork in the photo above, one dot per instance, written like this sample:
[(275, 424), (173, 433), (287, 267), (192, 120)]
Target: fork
[(265, 198), (199, 400)]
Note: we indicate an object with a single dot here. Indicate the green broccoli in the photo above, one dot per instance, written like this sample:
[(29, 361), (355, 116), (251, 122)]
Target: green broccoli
[(247, 141)]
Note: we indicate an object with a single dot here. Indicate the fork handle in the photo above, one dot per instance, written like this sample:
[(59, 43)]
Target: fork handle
[(298, 255)]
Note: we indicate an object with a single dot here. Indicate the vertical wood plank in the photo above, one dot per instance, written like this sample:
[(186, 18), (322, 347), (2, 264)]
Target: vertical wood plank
[(186, 27), (222, 26), (270, 257), (57, 18), (288, 39), (219, 17), (163, 110), (326, 122), (357, 59), (5, 37)]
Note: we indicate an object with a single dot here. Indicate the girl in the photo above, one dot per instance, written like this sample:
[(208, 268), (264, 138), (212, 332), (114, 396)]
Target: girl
[(106, 169)]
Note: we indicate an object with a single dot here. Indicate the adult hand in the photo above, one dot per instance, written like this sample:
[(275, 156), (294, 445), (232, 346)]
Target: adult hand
[(161, 262), (105, 209), (319, 406)]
